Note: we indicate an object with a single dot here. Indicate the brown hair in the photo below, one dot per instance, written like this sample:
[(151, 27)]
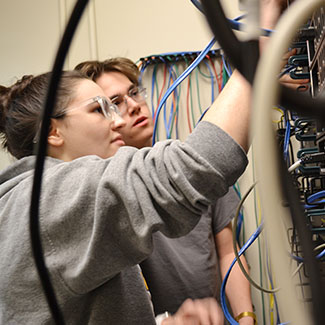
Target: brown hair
[(94, 69), (21, 106)]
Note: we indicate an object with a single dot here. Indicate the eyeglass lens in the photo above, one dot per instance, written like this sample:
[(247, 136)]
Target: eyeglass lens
[(137, 94), (109, 109)]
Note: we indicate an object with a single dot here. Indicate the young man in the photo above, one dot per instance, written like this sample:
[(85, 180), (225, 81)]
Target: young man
[(183, 267)]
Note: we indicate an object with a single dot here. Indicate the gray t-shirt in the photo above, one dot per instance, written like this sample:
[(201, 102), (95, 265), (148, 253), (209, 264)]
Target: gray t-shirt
[(97, 217), (187, 267)]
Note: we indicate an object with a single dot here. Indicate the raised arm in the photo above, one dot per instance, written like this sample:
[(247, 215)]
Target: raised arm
[(232, 109)]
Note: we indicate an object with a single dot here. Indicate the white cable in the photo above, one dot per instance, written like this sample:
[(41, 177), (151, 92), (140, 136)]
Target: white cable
[(297, 269), (265, 94), (294, 166)]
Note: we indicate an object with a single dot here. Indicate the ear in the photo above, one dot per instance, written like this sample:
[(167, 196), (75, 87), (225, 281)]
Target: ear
[(55, 138)]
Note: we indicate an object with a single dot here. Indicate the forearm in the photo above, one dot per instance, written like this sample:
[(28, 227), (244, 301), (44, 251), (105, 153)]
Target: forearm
[(270, 13), (237, 289), (237, 286), (231, 109)]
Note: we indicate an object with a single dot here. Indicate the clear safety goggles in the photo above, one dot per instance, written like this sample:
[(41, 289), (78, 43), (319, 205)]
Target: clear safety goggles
[(138, 94), (104, 106)]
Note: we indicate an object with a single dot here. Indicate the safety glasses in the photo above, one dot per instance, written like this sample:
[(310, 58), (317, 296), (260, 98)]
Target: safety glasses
[(104, 106), (138, 94)]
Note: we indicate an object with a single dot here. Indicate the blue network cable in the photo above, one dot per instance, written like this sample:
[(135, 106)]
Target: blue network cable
[(249, 242), (239, 225), (199, 120), (173, 76), (192, 66), (288, 69), (143, 68), (301, 259), (226, 67), (153, 82), (313, 197), (168, 124), (212, 80), (287, 140), (240, 215)]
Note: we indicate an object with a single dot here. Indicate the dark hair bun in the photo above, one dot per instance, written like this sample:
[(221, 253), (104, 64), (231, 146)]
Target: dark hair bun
[(8, 94)]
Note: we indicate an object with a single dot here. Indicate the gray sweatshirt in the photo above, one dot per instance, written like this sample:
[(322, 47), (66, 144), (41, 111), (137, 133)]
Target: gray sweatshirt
[(97, 217)]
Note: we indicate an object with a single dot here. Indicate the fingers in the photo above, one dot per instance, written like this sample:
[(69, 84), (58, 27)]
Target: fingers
[(198, 312), (297, 84), (286, 57), (215, 312)]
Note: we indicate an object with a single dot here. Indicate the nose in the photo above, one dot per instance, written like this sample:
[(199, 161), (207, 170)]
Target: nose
[(132, 106), (117, 122)]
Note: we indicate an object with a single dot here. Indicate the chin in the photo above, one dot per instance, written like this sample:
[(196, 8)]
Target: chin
[(112, 152)]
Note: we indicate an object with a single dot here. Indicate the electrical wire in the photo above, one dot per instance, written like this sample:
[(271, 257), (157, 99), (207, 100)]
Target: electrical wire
[(240, 222), (173, 58), (172, 104), (286, 141), (187, 105), (226, 66), (36, 244), (216, 74), (212, 80), (198, 90), (177, 93), (301, 259), (237, 259), (234, 23), (287, 70), (179, 80), (233, 48), (240, 264), (223, 285), (264, 98), (244, 56), (273, 299), (313, 197), (258, 220)]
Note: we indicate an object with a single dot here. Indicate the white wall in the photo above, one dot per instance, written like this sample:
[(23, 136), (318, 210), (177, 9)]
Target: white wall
[(31, 30)]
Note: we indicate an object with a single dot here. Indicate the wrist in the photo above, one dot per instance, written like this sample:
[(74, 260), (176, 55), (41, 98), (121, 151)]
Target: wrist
[(161, 317), (246, 317)]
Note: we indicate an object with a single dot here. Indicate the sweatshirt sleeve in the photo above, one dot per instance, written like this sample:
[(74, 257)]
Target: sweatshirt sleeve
[(99, 216)]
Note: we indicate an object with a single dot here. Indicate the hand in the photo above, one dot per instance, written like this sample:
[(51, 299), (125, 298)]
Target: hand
[(270, 11), (286, 80), (197, 312), (282, 4)]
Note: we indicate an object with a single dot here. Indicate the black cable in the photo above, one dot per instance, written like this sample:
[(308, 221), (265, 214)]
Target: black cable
[(221, 28), (197, 4), (242, 56), (41, 153), (232, 22)]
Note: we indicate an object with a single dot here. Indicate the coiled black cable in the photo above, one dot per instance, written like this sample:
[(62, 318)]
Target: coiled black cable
[(40, 159)]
